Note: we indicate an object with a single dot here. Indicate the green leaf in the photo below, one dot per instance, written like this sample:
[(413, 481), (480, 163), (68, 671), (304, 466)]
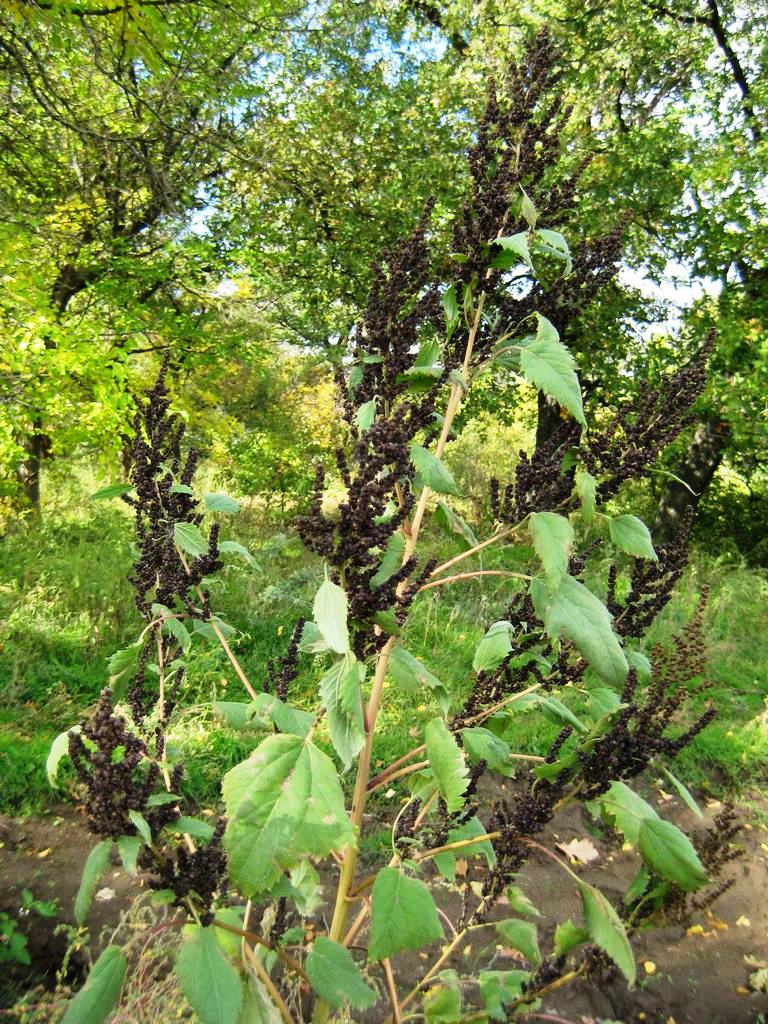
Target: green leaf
[(606, 930), (258, 1008), (528, 210), (284, 803), (497, 988), (208, 980), (172, 625), (128, 847), (450, 306), (433, 472), (519, 901), (684, 793), (221, 503), (391, 560), (630, 534), (205, 628), (586, 488), (455, 523), (495, 646), (483, 745), (574, 613), (161, 799), (125, 660), (556, 711), (236, 715), (365, 416), (342, 698), (548, 364), (312, 641), (387, 621), (520, 935), (442, 1005), (95, 866), (602, 700), (189, 538), (514, 251), (567, 936), (447, 762), (553, 542), (141, 825), (229, 942), (59, 749), (336, 977), (181, 489), (626, 809), (330, 613), (670, 853), (403, 915), (302, 886), (471, 829), (111, 491), (194, 827), (639, 662), (409, 673), (238, 549), (554, 244), (286, 717), (95, 1001), (638, 886)]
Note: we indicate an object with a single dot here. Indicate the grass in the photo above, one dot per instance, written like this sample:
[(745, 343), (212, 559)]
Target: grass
[(65, 607)]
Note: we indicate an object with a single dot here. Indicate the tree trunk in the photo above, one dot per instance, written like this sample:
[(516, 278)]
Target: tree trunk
[(699, 466), (28, 472)]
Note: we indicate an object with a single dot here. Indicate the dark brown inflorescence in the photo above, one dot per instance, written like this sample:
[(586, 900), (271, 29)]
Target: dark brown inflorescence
[(196, 873), (117, 776), (631, 443)]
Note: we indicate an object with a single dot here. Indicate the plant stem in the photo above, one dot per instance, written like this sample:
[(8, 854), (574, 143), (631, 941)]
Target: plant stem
[(220, 636), (407, 770), (392, 990), (396, 764), (287, 959), (270, 986), (472, 575)]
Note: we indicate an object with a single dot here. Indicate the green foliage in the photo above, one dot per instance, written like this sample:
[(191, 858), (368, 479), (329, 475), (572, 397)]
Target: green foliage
[(207, 978), (403, 915), (94, 1003), (335, 976), (283, 803)]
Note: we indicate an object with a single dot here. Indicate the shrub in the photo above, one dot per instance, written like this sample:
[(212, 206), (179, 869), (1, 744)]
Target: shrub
[(421, 341)]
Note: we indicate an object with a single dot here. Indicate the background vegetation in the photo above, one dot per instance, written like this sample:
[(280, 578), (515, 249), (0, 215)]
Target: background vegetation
[(216, 179)]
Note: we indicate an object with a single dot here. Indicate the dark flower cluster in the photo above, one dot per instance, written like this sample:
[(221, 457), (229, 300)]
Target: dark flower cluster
[(518, 142), (118, 775), (162, 481), (402, 311), (541, 481), (631, 443), (651, 584), (282, 674), (378, 501), (196, 873)]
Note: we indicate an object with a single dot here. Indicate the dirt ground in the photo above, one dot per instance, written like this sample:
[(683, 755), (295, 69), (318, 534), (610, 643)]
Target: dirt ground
[(698, 974)]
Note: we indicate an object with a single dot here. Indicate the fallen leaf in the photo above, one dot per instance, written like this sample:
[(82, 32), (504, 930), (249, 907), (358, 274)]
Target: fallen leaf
[(743, 922), (649, 967), (45, 853), (105, 894), (581, 850)]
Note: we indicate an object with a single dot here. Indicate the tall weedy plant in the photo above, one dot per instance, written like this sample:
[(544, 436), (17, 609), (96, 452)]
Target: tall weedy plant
[(500, 299)]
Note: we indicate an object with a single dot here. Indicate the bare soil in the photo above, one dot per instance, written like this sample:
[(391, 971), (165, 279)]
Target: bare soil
[(692, 974)]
